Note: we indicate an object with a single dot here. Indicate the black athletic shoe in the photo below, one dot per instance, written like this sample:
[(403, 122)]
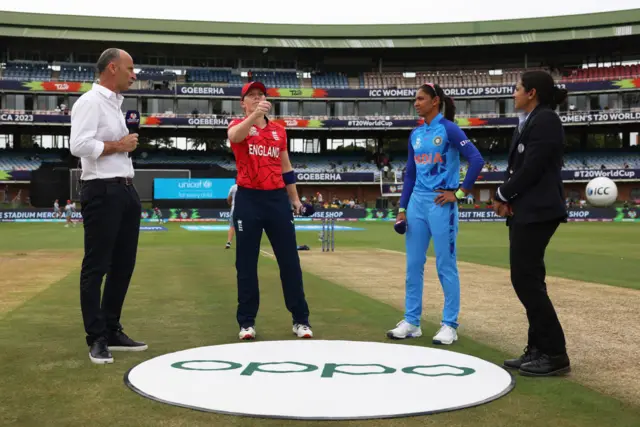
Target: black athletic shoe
[(119, 341), (530, 354), (99, 352), (546, 366)]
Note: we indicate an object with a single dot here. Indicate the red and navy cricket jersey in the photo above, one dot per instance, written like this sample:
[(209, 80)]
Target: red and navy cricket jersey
[(258, 157)]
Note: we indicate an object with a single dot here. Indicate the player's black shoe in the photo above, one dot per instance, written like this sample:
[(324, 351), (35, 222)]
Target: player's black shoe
[(119, 341), (99, 352)]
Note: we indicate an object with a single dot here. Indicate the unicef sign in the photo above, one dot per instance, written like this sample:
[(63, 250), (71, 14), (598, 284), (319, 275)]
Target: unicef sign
[(191, 189)]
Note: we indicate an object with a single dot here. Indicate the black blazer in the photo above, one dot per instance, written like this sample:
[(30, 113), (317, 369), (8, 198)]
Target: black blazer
[(533, 185)]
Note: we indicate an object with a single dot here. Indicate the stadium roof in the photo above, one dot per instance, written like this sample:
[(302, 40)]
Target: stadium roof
[(585, 26)]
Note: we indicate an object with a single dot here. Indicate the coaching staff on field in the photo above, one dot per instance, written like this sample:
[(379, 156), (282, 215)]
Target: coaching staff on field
[(110, 205), (532, 199), (266, 192)]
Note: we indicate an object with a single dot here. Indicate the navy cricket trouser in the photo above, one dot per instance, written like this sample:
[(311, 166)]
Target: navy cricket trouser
[(268, 210)]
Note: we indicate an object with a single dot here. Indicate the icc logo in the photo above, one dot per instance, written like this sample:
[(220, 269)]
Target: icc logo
[(133, 116), (418, 143), (600, 191)]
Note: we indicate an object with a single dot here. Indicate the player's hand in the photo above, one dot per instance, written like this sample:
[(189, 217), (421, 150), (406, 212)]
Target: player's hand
[(445, 197), (502, 209), (129, 143), (297, 207), (402, 216), (262, 109)]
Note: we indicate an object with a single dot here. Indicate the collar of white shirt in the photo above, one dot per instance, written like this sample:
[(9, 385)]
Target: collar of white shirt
[(108, 93)]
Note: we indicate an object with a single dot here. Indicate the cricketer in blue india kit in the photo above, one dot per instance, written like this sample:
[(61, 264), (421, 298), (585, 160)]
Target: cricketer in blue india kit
[(429, 209)]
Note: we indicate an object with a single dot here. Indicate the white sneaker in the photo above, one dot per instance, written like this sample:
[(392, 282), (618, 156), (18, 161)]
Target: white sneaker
[(247, 333), (446, 335), (404, 330), (302, 331)]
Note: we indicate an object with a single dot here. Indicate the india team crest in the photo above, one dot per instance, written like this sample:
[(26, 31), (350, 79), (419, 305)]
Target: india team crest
[(437, 141)]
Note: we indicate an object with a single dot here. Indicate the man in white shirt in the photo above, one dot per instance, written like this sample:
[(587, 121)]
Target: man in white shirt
[(231, 199), (110, 205)]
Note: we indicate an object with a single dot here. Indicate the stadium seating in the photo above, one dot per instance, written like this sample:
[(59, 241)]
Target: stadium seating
[(329, 81), (70, 73), (208, 75), (330, 163), (27, 71), (604, 73), (155, 74), (282, 79)]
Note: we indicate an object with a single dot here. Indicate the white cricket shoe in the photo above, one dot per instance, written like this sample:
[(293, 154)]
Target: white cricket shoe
[(404, 330), (247, 333), (446, 335), (302, 331)]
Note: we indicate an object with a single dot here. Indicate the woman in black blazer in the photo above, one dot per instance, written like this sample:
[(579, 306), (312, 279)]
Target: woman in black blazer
[(532, 199)]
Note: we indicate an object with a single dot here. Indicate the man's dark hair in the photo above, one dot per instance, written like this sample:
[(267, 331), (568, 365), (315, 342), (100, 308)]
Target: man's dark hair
[(107, 57)]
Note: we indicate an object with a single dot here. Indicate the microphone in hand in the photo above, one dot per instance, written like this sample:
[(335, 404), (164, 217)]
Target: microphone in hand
[(133, 124)]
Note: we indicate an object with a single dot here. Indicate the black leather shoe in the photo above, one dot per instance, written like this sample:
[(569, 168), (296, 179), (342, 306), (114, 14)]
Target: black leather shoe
[(530, 354), (119, 341), (99, 352), (546, 366)]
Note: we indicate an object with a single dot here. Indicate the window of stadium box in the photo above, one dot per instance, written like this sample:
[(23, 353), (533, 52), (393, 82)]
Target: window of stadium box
[(370, 108), (226, 107), (341, 108), (506, 106), (18, 102), (399, 108), (286, 108), (635, 194), (49, 102), (578, 103), (310, 108), (157, 105), (188, 106), (482, 106), (630, 100)]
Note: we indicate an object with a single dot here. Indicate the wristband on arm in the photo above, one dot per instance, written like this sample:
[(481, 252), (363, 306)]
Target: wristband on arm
[(289, 177)]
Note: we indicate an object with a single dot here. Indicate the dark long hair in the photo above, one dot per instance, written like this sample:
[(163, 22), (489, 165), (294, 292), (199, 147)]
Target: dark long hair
[(546, 90), (447, 107)]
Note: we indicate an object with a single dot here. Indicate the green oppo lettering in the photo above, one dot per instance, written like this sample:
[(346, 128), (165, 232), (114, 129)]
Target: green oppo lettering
[(413, 370), (181, 365), (329, 369), (257, 367), (333, 368)]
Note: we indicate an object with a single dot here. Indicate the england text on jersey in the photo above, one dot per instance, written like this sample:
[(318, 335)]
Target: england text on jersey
[(264, 151)]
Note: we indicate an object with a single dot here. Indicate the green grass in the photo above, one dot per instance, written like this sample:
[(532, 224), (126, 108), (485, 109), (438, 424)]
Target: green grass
[(183, 296)]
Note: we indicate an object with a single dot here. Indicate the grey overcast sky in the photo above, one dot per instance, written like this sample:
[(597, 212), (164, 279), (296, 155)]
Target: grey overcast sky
[(322, 11)]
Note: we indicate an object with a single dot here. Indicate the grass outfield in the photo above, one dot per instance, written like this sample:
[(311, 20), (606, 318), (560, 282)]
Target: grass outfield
[(183, 296)]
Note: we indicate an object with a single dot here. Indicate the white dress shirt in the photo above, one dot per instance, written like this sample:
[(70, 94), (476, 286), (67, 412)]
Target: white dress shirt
[(232, 192), (97, 117)]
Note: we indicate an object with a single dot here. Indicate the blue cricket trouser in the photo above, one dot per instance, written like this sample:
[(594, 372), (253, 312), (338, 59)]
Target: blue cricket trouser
[(427, 220), (268, 210)]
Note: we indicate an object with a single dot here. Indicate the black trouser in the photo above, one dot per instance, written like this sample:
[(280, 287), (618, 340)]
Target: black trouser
[(527, 247), (268, 210), (111, 216)]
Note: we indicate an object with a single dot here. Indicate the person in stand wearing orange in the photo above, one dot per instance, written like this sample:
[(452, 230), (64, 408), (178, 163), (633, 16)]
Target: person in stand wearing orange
[(264, 200)]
